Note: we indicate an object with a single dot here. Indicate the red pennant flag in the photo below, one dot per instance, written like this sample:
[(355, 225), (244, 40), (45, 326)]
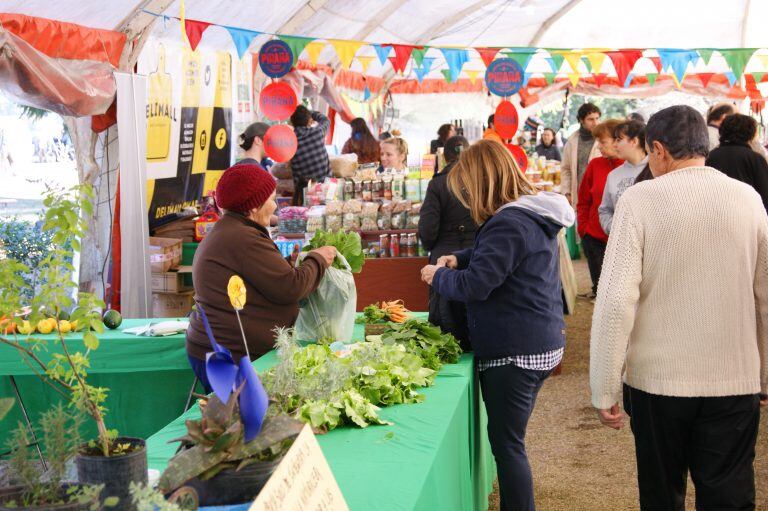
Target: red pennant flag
[(624, 61), (402, 55), (704, 78), (599, 79), (656, 62), (195, 31), (394, 63), (487, 54)]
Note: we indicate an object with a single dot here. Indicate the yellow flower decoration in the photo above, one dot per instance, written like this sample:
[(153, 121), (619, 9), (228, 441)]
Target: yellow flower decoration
[(236, 292)]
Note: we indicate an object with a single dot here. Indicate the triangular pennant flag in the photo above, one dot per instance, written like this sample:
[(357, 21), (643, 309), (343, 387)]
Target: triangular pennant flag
[(447, 75), (628, 81), (194, 30), (366, 94), (345, 50), (296, 44), (365, 62), (425, 67), (402, 55), (656, 63), (242, 39), (587, 63), (678, 83), (418, 55), (455, 58), (550, 77), (472, 74), (737, 59), (652, 78), (526, 78), (596, 59), (522, 57), (573, 58), (382, 52), (599, 79), (677, 60), (624, 61), (704, 78), (313, 50), (706, 55), (763, 60), (555, 60), (758, 76), (731, 77), (552, 64), (574, 78), (487, 54)]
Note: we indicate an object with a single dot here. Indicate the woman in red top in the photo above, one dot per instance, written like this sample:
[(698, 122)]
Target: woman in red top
[(593, 238)]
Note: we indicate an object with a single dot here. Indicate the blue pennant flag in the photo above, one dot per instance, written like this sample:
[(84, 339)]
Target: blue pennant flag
[(553, 65), (242, 39), (731, 77), (678, 60), (526, 77), (455, 58), (382, 52), (225, 376), (630, 76), (424, 69), (366, 94)]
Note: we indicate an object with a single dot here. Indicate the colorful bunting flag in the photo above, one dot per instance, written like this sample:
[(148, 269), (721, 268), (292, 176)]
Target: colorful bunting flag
[(731, 77), (313, 50), (455, 58), (402, 55), (424, 69), (418, 54), (737, 59), (447, 75), (704, 78), (596, 59), (472, 75), (382, 52), (628, 81), (521, 56), (706, 55), (366, 94), (556, 60), (599, 79), (573, 58), (587, 63), (758, 76), (677, 60), (487, 54), (623, 62), (345, 50), (652, 78), (656, 63), (526, 79), (678, 83), (194, 30), (763, 60), (574, 78), (550, 78), (296, 44), (365, 62), (242, 39)]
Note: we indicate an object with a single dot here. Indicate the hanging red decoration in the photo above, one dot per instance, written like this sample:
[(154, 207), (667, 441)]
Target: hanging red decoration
[(506, 120), (195, 31), (624, 61), (280, 143), (402, 55), (487, 54), (519, 155), (277, 101)]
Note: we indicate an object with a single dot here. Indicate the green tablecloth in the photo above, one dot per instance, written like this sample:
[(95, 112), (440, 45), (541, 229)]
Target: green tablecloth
[(149, 379), (435, 456)]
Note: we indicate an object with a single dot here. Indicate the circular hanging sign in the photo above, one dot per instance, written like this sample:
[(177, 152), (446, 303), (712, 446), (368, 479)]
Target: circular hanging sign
[(275, 58), (504, 77), (519, 155), (505, 120), (280, 143), (277, 101)]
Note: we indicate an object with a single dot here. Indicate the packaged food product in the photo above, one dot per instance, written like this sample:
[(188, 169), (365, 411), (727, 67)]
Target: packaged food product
[(412, 189), (293, 219), (333, 222), (353, 206), (351, 221), (316, 219), (384, 221), (399, 220), (334, 208)]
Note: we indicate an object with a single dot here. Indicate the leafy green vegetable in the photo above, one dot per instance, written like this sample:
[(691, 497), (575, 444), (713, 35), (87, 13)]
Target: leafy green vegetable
[(372, 314), (347, 243), (425, 340)]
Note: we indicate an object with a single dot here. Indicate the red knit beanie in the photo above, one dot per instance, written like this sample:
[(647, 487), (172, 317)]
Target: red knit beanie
[(244, 187)]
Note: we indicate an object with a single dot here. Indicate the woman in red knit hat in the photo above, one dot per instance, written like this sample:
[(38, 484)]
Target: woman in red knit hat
[(239, 244)]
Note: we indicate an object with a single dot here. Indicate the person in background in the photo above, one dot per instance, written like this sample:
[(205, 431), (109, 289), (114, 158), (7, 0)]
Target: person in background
[(252, 144), (683, 313), (239, 244), (311, 160), (734, 157), (579, 150), (593, 238), (490, 132), (444, 132), (547, 148), (362, 143), (635, 116), (445, 227), (384, 135), (715, 117), (629, 146), (394, 154), (510, 281)]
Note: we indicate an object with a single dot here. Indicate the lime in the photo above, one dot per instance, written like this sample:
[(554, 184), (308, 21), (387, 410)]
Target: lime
[(112, 319)]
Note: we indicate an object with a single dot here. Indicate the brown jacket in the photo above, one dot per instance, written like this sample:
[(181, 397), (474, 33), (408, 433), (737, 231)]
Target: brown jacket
[(239, 246)]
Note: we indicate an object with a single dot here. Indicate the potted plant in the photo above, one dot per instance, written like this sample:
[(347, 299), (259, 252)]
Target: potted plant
[(34, 488), (107, 459)]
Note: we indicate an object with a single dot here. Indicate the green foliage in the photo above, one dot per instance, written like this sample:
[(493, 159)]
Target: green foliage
[(372, 314), (347, 243), (425, 340), (145, 498), (611, 108), (25, 242)]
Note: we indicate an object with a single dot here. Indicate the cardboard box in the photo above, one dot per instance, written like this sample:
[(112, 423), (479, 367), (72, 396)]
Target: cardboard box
[(172, 305), (164, 254), (170, 282)]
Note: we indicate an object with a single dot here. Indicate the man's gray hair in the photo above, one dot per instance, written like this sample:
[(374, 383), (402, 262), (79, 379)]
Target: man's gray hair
[(681, 130)]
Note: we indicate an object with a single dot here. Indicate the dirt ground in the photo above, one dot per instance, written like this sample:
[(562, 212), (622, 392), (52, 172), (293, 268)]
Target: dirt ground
[(579, 464)]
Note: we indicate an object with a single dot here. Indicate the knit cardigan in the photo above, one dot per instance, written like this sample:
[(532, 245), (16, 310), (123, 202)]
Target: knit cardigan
[(569, 180), (682, 302)]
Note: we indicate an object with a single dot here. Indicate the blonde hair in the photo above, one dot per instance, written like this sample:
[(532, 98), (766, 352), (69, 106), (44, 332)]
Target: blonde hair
[(400, 144), (606, 128), (487, 177)]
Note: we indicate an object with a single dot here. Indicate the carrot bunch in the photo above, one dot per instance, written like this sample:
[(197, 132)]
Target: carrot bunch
[(395, 311)]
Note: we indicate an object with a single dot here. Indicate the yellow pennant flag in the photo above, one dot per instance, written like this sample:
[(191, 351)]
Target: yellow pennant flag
[(679, 83), (365, 62), (472, 74), (573, 58), (574, 78), (346, 50), (596, 59), (313, 50), (763, 61)]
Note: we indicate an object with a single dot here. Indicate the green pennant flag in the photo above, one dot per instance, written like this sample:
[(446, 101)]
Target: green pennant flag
[(297, 44), (758, 76), (447, 75), (652, 78), (521, 57), (418, 55), (587, 63), (557, 58), (706, 54), (550, 77), (737, 59)]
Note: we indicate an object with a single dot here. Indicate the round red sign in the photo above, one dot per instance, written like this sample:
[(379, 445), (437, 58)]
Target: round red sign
[(277, 101), (518, 154), (280, 143), (505, 119)]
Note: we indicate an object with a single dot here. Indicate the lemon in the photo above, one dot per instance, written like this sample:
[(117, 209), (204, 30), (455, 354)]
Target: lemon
[(26, 328), (44, 326), (65, 326)]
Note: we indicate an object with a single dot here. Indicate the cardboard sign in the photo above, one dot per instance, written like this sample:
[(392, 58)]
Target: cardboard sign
[(505, 120), (277, 101), (275, 58), (280, 143), (504, 77), (302, 481), (519, 155)]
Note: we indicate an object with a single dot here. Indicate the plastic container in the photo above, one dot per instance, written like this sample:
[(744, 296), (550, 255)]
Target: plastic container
[(116, 473)]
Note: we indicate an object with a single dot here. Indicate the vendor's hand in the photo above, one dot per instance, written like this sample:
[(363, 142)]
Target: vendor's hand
[(328, 254), (428, 273), (613, 417), (448, 261)]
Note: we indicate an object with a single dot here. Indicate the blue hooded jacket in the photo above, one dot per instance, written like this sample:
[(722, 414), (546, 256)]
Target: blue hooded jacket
[(510, 279)]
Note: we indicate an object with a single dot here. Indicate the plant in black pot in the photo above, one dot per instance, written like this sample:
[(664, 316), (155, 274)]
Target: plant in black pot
[(63, 362), (32, 487)]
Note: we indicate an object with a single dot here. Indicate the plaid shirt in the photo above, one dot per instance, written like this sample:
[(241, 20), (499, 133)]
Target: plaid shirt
[(538, 362), (311, 159)]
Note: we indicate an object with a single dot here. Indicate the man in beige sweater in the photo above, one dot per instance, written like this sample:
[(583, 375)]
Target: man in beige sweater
[(683, 308)]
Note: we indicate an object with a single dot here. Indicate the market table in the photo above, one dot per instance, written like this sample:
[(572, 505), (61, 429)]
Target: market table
[(435, 456), (149, 379)]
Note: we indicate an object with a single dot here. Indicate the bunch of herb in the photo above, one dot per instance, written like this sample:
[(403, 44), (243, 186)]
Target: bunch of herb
[(348, 244), (425, 340)]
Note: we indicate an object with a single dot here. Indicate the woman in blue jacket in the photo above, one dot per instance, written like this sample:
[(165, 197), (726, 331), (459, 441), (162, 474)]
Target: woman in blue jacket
[(510, 281)]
